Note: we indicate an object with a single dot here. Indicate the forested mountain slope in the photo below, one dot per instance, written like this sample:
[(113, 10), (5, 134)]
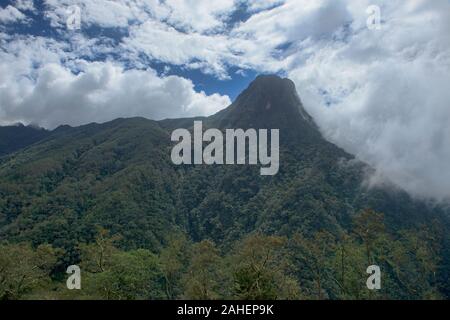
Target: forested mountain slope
[(13, 138), (119, 176)]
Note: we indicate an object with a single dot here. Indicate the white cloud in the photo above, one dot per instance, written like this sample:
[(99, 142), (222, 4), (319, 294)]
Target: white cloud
[(25, 5), (104, 13), (180, 32), (191, 15), (199, 15), (11, 14), (388, 94), (258, 5), (179, 48), (296, 20), (43, 91)]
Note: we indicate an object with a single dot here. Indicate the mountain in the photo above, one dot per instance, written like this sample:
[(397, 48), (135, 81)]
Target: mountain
[(16, 137), (269, 102), (119, 175)]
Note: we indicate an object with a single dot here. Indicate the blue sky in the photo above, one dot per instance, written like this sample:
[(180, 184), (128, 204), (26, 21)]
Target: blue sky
[(379, 92)]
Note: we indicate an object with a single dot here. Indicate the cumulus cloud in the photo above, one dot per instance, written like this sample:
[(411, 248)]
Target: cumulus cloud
[(383, 95), (190, 15), (25, 5), (258, 5), (199, 15), (42, 90), (11, 14), (296, 20), (103, 13), (179, 48)]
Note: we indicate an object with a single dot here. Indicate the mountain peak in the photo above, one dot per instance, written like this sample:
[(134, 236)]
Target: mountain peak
[(273, 83), (269, 102)]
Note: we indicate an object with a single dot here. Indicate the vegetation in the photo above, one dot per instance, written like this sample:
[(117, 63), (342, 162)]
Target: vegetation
[(107, 197), (324, 266), (13, 138)]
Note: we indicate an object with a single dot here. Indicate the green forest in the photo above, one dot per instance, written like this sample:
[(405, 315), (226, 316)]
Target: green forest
[(259, 267)]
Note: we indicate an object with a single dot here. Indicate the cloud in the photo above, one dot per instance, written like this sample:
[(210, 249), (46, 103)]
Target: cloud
[(11, 14), (383, 95), (296, 20), (189, 15), (25, 5), (179, 48), (257, 5), (187, 33), (103, 13), (43, 91), (199, 15)]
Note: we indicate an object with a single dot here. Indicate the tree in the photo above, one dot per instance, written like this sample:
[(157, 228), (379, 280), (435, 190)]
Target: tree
[(23, 268), (313, 254), (261, 269), (369, 227), (204, 276), (414, 262), (174, 261), (129, 275), (349, 268), (96, 256)]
